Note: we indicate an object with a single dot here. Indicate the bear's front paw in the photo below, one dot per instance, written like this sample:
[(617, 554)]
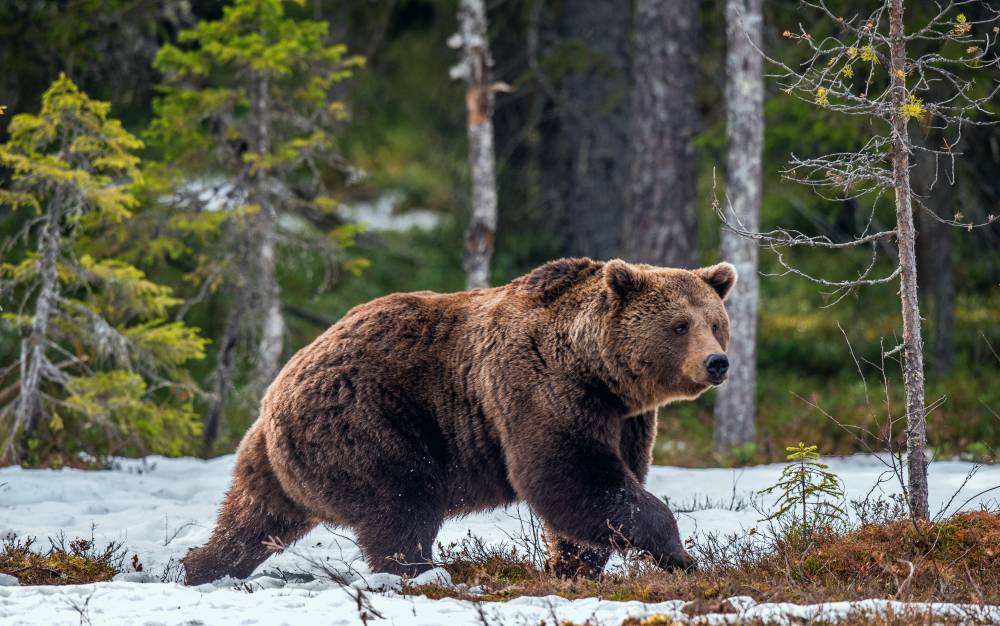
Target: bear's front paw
[(679, 561)]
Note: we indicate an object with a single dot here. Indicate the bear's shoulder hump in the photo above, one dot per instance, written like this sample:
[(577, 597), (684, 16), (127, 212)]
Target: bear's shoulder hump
[(557, 277)]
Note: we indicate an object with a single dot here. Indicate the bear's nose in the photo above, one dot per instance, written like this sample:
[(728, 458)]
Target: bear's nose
[(716, 365)]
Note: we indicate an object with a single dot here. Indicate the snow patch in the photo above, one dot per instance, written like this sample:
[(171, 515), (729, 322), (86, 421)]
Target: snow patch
[(159, 508), (436, 576)]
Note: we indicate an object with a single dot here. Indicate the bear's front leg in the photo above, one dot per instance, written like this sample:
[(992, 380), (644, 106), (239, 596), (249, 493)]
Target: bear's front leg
[(569, 559), (584, 492)]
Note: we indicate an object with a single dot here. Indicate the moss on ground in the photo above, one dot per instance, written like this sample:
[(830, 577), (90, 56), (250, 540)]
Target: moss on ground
[(79, 562)]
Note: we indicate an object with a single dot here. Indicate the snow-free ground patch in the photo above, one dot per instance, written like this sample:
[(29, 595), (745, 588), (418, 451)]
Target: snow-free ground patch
[(159, 508)]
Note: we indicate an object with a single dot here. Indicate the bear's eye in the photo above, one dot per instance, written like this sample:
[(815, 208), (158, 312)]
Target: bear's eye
[(681, 329)]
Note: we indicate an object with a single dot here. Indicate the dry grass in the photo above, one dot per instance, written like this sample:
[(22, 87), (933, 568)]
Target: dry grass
[(77, 562), (857, 617), (954, 560)]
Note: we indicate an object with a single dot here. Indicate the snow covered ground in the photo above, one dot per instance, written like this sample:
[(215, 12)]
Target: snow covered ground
[(161, 507)]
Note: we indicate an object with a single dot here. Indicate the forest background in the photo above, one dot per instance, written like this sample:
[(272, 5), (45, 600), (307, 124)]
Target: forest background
[(388, 204)]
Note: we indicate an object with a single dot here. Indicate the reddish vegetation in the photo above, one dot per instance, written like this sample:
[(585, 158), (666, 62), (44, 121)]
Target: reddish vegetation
[(955, 560), (962, 553)]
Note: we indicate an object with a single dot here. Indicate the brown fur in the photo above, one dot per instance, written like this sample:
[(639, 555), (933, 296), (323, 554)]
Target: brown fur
[(421, 406)]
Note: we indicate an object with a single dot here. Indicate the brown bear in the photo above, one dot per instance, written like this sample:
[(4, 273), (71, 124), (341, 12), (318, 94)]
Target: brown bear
[(417, 407)]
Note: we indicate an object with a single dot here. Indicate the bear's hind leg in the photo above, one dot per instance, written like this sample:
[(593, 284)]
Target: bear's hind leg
[(255, 510), (401, 541)]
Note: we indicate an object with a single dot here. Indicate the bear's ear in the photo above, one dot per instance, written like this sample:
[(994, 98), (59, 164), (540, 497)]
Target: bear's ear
[(721, 277), (623, 279)]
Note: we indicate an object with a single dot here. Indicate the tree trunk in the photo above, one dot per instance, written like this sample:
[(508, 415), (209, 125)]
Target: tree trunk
[(29, 405), (661, 214), (225, 362), (913, 355), (735, 403), (267, 307), (272, 330), (934, 255), (585, 132), (475, 69), (943, 296)]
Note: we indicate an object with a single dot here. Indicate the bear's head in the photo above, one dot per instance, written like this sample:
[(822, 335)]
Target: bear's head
[(666, 329)]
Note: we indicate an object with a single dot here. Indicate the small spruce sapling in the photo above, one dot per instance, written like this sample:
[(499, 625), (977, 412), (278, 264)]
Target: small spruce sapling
[(808, 492)]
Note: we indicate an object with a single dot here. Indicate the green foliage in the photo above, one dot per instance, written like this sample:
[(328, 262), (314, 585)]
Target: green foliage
[(210, 82), (741, 455), (246, 99), (805, 490), (111, 365), (407, 133), (115, 405), (71, 145), (246, 130)]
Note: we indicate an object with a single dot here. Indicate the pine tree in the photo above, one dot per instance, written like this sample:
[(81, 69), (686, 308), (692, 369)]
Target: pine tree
[(247, 106), (99, 365), (808, 492)]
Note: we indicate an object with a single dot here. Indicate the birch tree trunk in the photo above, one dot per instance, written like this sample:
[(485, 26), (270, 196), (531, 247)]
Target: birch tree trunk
[(735, 403), (913, 359), (272, 331), (267, 308), (33, 360), (475, 69), (661, 211)]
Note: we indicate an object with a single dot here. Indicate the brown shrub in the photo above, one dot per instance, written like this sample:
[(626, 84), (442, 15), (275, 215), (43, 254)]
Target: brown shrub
[(954, 560), (78, 563)]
